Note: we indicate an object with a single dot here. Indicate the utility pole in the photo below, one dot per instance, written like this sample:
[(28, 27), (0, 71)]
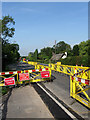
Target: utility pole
[(55, 49)]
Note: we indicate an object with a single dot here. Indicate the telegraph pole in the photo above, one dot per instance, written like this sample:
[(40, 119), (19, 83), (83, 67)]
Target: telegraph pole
[(55, 49)]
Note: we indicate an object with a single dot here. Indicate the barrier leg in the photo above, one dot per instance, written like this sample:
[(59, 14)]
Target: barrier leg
[(71, 86), (17, 79), (50, 73), (35, 66), (74, 87), (78, 91)]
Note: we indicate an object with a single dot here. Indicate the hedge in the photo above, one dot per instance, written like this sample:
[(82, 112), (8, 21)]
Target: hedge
[(79, 60)]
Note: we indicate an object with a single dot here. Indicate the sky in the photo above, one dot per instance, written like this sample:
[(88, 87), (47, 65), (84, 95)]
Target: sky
[(39, 24)]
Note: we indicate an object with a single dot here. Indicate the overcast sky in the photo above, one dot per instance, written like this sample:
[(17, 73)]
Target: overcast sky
[(39, 24)]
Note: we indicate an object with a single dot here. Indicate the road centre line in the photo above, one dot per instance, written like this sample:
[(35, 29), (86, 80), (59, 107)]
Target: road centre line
[(71, 115)]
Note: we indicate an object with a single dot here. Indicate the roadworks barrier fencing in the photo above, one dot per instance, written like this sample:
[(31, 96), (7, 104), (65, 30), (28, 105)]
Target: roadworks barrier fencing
[(79, 80), (25, 76)]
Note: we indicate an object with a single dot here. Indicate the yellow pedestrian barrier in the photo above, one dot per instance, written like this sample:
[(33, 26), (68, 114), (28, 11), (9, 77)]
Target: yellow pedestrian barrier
[(26, 76), (79, 89), (79, 80)]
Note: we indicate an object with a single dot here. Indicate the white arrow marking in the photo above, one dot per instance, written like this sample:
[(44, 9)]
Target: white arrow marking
[(45, 75)]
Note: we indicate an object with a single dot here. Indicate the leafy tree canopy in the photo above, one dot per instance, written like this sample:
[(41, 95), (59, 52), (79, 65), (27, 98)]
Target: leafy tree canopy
[(62, 47), (7, 29), (75, 50), (84, 48), (10, 52)]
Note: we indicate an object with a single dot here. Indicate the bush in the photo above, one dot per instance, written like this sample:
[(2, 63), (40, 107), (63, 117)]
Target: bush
[(4, 90), (73, 60)]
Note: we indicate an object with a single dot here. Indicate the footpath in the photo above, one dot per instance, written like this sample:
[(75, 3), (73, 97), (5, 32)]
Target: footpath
[(24, 102)]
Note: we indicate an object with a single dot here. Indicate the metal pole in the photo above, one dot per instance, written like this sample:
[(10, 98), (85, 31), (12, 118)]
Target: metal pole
[(55, 49)]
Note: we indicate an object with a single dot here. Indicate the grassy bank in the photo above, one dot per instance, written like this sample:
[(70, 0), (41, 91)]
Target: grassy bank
[(4, 90)]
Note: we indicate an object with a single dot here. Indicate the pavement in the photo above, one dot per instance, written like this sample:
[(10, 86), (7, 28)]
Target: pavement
[(24, 102)]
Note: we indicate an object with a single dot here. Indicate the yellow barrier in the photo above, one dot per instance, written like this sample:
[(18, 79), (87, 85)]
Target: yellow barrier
[(34, 75), (71, 70), (79, 80), (79, 90)]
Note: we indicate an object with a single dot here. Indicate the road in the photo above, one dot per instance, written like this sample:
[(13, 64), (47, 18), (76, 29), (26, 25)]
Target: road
[(59, 88)]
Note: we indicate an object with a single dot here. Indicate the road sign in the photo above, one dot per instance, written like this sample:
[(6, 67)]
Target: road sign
[(45, 74), (24, 76), (9, 81)]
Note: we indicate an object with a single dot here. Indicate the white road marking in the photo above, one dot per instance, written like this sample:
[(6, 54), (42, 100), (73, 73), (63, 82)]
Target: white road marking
[(70, 114)]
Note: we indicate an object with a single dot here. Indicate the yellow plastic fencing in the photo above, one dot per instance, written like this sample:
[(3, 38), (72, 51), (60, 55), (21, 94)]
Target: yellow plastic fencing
[(79, 79), (71, 70), (34, 76), (79, 89)]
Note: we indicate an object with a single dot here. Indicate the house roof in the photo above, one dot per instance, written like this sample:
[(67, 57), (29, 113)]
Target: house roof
[(57, 56)]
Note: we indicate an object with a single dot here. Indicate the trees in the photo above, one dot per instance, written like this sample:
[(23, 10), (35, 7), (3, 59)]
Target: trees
[(75, 50), (9, 51), (35, 55), (88, 46), (7, 29), (80, 54), (84, 48), (30, 56), (45, 54), (62, 47)]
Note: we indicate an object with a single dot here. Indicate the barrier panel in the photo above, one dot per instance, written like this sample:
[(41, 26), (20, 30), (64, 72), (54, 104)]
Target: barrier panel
[(79, 89), (27, 76), (9, 81), (79, 80)]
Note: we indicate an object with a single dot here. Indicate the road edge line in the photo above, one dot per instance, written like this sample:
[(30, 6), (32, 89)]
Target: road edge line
[(70, 114)]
